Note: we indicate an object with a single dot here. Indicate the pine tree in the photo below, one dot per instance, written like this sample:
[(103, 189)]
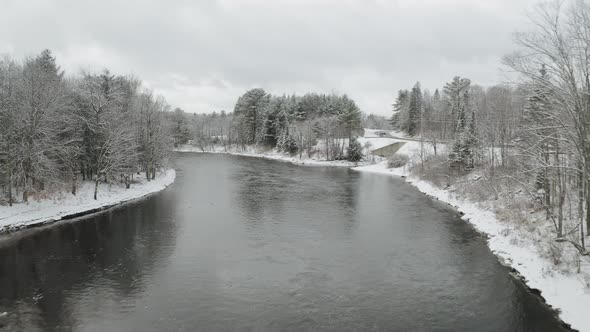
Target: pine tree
[(355, 150), (414, 110), (537, 139), (436, 100), (453, 92), (349, 115), (250, 109), (42, 97), (472, 137), (465, 140), (400, 110)]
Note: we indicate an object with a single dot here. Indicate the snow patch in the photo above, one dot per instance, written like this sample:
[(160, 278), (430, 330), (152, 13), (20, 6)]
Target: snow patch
[(271, 155), (566, 292), (45, 211)]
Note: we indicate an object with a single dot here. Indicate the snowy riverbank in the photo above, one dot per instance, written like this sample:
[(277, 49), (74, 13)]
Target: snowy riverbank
[(566, 292), (271, 155), (66, 205), (369, 142)]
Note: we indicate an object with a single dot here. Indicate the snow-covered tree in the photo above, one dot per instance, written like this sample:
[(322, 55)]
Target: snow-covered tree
[(463, 147), (354, 152), (349, 115), (40, 96), (57, 131), (250, 109), (414, 110), (400, 115)]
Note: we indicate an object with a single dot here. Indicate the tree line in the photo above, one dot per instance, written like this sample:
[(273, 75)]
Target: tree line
[(534, 133), (56, 131), (291, 124), (466, 117)]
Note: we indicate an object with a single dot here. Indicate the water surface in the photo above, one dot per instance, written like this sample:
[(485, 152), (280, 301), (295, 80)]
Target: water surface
[(249, 244)]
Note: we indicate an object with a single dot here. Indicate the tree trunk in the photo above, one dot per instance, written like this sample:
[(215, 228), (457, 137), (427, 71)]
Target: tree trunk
[(95, 187), (561, 185), (581, 204), (10, 186), (26, 190), (74, 180), (546, 184), (587, 204)]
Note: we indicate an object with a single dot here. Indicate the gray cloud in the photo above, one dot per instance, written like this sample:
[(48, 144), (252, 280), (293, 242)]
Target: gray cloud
[(202, 55)]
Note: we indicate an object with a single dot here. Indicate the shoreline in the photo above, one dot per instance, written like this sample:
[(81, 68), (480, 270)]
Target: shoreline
[(277, 157), (562, 293), (44, 212)]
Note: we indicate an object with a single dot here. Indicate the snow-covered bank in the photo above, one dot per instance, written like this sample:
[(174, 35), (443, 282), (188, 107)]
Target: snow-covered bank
[(370, 142), (515, 246), (568, 293), (65, 204), (272, 155)]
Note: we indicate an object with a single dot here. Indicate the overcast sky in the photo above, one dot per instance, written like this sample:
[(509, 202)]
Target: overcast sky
[(201, 55)]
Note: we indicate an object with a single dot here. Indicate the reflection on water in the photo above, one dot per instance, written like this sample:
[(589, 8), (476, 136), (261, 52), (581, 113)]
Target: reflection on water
[(46, 274), (249, 244)]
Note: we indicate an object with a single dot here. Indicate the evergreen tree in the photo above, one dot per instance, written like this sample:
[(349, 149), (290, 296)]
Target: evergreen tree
[(414, 110), (453, 92), (355, 150), (349, 115), (42, 95), (179, 127), (465, 140), (250, 109), (472, 137), (436, 99), (538, 136), (400, 110)]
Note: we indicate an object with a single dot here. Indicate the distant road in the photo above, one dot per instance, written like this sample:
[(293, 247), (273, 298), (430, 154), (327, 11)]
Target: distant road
[(412, 139)]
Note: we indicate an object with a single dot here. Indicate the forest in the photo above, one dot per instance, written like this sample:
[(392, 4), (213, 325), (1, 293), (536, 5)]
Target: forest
[(291, 124), (528, 138), (56, 131)]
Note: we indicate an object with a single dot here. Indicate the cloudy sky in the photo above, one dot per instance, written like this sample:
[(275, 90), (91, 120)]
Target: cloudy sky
[(201, 55)]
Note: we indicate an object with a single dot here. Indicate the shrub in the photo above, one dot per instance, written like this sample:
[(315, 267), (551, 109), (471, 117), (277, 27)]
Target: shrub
[(290, 146), (397, 160), (355, 150)]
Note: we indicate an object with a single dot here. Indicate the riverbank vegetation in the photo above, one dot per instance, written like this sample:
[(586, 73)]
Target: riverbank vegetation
[(56, 131), (312, 125), (524, 147)]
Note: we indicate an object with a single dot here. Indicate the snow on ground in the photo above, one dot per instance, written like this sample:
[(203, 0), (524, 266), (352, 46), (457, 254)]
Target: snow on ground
[(270, 154), (370, 142), (65, 204), (568, 293)]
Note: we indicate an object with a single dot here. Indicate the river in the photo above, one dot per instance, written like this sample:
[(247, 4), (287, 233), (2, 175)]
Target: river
[(240, 243)]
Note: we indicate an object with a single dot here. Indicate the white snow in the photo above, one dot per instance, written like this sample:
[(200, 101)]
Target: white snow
[(566, 292), (411, 148), (47, 210), (272, 155)]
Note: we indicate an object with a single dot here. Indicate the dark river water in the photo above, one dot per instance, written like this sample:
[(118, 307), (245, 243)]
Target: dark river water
[(255, 245)]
